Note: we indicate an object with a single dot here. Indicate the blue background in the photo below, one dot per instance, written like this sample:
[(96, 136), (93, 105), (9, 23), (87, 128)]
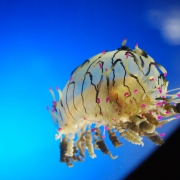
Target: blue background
[(41, 42)]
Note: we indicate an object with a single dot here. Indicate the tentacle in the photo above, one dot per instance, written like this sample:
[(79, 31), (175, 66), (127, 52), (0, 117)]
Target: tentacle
[(90, 145), (114, 139)]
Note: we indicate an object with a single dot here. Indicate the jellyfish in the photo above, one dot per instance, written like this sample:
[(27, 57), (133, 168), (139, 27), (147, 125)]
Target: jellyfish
[(115, 93)]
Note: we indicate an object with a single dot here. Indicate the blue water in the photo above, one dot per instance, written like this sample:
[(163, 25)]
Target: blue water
[(41, 42)]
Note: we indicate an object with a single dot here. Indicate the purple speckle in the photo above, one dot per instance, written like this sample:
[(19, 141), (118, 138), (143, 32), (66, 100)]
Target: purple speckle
[(162, 134)]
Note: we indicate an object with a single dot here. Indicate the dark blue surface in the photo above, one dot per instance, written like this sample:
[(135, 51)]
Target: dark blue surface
[(41, 42)]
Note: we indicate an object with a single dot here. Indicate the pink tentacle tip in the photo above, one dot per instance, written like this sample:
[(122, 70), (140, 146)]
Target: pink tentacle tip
[(159, 117), (152, 79), (104, 52), (135, 91), (70, 78), (50, 88), (127, 55), (106, 128), (136, 45), (143, 105), (178, 116), (160, 90), (57, 88), (59, 129), (107, 99), (142, 115), (84, 118), (162, 134), (159, 104), (167, 112), (178, 95), (124, 39), (54, 102), (98, 100), (126, 94), (100, 65), (165, 74)]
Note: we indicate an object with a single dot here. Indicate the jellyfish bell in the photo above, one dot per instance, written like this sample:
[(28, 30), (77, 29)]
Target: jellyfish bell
[(122, 90)]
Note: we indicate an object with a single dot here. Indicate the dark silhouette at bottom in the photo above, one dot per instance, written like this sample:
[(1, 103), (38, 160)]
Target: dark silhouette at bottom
[(163, 163)]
